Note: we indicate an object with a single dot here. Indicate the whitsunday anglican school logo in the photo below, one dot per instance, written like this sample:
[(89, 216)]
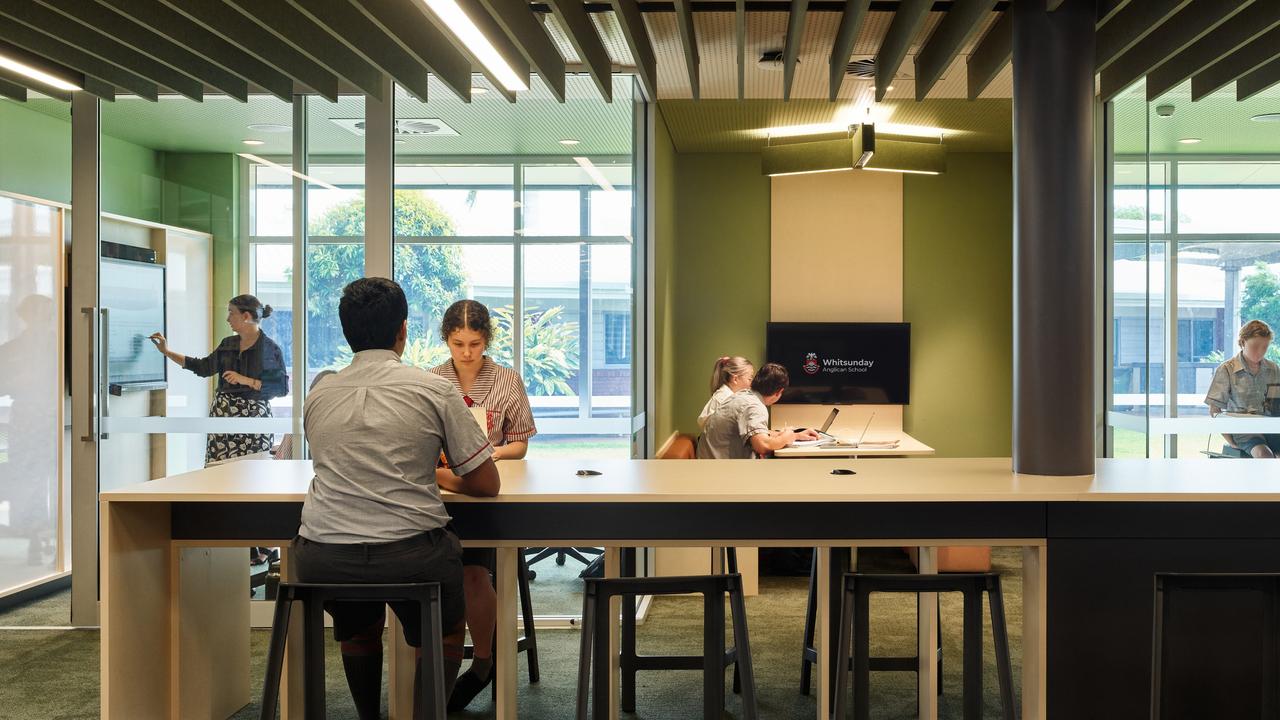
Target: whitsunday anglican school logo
[(811, 364)]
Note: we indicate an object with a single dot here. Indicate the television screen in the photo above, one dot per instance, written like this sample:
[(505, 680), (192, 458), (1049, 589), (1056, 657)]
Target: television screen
[(133, 292), (843, 363)]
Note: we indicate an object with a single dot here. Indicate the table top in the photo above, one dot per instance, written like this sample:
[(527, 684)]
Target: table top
[(907, 447), (770, 481)]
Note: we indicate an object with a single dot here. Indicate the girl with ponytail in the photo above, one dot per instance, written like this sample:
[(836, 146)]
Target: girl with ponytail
[(730, 375)]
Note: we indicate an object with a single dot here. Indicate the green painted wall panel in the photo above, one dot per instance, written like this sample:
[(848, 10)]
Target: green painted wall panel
[(958, 297), (200, 193), (132, 180), (721, 269), (35, 153)]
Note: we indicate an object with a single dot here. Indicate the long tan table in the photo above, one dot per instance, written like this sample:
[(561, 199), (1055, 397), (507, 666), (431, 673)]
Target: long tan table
[(171, 601)]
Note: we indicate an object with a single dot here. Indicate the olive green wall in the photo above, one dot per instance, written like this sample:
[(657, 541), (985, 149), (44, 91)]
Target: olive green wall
[(957, 242), (721, 270), (664, 281), (957, 290)]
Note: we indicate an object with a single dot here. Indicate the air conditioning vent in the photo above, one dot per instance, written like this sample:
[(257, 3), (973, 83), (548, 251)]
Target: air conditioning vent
[(405, 127), (865, 69)]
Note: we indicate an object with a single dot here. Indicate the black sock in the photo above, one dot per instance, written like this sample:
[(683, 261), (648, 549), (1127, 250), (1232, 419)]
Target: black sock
[(480, 667), (364, 677), (451, 668)]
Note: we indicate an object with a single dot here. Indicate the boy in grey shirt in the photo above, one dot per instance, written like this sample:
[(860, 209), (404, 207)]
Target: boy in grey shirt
[(373, 513), (739, 428)]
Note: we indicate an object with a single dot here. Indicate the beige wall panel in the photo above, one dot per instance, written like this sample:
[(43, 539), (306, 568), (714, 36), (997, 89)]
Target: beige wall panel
[(836, 256)]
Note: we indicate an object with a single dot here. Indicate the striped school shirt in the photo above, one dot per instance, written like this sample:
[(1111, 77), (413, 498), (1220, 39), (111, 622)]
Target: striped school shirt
[(500, 391)]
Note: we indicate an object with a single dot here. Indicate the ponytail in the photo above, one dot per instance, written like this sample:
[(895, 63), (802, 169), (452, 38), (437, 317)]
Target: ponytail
[(725, 368)]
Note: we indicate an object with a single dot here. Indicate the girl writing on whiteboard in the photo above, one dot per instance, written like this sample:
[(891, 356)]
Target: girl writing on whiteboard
[(250, 370)]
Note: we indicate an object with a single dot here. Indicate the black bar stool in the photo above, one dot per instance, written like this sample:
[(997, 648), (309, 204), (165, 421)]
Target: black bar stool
[(1215, 649), (855, 616), (632, 662), (313, 597), (595, 639), (528, 643), (809, 653)]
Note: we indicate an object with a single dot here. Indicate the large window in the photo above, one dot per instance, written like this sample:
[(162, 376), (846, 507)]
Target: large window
[(1194, 246), (543, 236)]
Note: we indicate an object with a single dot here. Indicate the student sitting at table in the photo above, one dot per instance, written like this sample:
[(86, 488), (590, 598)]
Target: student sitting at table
[(730, 375), (740, 427), (498, 391), (1240, 384), (373, 513)]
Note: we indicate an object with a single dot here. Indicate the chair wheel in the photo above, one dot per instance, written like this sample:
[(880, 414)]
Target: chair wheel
[(560, 560), (532, 574)]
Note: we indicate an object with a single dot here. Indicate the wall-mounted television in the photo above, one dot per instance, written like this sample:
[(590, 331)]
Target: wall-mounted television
[(133, 292), (843, 363)]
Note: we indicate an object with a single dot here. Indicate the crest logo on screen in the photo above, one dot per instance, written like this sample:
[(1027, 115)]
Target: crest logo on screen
[(811, 364)]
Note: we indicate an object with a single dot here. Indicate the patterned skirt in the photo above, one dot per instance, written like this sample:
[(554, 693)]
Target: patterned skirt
[(226, 447)]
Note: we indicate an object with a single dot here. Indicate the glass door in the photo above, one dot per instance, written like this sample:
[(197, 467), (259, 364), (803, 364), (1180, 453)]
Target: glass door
[(32, 488)]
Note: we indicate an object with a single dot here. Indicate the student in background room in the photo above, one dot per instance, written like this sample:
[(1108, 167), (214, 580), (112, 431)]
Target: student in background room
[(740, 427), (497, 390), (250, 370), (730, 375), (1240, 384)]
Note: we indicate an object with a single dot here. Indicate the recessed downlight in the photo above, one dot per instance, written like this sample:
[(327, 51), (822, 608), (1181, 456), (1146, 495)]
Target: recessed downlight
[(269, 127), (1267, 117), (250, 141), (569, 142), (1190, 140)]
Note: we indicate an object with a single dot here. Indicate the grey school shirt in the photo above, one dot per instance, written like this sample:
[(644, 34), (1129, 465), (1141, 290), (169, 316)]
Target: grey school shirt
[(376, 430), (1235, 389), (727, 434)]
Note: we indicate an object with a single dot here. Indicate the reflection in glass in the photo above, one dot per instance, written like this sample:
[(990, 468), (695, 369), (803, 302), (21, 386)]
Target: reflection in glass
[(30, 390)]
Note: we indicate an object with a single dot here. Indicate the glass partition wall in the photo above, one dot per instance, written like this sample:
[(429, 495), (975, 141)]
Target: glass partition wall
[(1193, 253), (203, 202), (35, 185)]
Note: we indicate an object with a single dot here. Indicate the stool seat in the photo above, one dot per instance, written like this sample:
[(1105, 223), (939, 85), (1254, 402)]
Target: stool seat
[(313, 596), (1216, 646), (595, 639), (809, 652), (855, 621)]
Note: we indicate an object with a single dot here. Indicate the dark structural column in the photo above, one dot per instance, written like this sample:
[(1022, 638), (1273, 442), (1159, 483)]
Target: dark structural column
[(1053, 217)]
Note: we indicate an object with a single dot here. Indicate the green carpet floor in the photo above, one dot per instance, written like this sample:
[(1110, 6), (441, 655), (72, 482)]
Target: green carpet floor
[(54, 674)]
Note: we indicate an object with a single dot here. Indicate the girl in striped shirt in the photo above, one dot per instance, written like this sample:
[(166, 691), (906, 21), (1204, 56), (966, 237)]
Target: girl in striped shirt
[(467, 329)]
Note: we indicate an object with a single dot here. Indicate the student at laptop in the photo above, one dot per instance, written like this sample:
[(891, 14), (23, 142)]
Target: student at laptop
[(740, 427), (373, 513), (1240, 384), (467, 330), (730, 375)]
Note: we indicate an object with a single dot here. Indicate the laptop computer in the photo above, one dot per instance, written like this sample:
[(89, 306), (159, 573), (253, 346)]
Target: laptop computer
[(826, 425)]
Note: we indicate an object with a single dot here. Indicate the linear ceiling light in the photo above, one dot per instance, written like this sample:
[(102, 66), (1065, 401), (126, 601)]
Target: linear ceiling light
[(263, 161), (599, 178), (800, 158), (454, 18), (36, 74)]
